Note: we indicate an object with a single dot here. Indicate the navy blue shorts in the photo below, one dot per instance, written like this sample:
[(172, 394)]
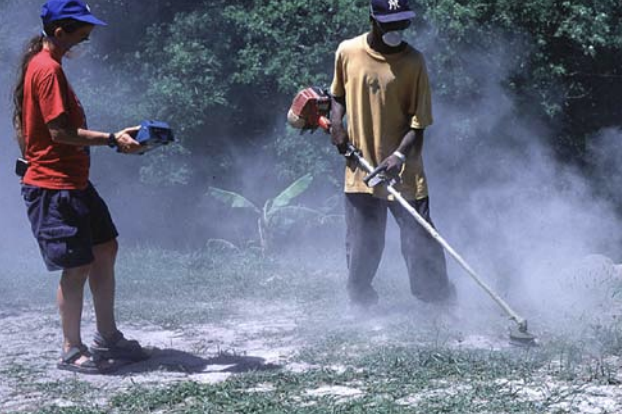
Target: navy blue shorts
[(67, 224)]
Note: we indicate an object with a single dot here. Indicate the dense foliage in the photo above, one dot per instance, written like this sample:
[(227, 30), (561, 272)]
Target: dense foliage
[(566, 64), (230, 68), (223, 74)]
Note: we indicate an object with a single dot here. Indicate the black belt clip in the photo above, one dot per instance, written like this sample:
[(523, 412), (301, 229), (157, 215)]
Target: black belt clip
[(21, 166)]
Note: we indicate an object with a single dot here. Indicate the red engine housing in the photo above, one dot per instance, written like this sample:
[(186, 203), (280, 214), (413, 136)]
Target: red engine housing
[(310, 109)]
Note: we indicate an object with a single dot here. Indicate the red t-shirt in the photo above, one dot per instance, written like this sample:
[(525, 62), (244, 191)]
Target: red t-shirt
[(47, 95)]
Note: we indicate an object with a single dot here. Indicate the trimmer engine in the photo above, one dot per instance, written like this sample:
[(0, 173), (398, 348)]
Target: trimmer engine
[(310, 110)]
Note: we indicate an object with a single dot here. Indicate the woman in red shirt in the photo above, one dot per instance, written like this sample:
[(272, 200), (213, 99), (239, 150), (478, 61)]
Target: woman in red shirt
[(69, 219)]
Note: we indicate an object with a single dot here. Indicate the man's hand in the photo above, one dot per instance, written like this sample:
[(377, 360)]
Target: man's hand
[(339, 137), (126, 142), (392, 165)]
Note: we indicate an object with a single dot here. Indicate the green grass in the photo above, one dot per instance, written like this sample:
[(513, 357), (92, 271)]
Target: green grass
[(433, 379), (18, 372), (73, 389), (443, 380), (384, 376), (201, 287), (71, 410), (408, 366)]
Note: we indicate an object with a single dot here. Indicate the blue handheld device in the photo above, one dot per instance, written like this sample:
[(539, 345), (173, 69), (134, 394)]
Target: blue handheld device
[(153, 134)]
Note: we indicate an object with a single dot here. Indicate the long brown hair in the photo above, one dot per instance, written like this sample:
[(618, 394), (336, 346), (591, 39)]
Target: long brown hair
[(34, 46)]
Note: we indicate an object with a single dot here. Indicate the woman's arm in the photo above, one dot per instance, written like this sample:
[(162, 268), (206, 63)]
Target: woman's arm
[(63, 134)]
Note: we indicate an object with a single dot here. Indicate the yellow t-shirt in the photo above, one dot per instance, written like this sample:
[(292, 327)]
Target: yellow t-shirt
[(385, 96)]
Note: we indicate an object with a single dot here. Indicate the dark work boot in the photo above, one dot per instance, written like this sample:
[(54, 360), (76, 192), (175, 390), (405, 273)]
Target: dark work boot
[(363, 299)]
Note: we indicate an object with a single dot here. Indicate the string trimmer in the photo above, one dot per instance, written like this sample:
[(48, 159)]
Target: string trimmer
[(309, 111)]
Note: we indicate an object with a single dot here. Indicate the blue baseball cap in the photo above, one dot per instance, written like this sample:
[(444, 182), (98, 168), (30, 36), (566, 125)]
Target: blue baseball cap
[(54, 10), (387, 11)]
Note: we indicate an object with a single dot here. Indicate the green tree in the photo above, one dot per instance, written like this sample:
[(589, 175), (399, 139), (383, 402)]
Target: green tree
[(567, 60), (224, 73), (286, 46)]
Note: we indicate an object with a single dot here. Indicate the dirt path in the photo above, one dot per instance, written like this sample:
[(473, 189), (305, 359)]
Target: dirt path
[(260, 338), (29, 348)]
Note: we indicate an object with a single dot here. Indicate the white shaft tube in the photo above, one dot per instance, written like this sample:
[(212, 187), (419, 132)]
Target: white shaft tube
[(522, 322)]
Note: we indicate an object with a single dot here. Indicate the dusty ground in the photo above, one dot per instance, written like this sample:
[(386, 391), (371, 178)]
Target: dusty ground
[(205, 353), (212, 352), (272, 335)]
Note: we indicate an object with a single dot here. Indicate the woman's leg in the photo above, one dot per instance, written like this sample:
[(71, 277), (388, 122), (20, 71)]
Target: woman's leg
[(109, 342), (70, 296), (102, 284)]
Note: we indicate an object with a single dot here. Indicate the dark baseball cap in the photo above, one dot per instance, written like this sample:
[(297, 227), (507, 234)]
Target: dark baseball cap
[(54, 10), (387, 11)]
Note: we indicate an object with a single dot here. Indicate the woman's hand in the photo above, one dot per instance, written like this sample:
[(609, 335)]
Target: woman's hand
[(126, 142)]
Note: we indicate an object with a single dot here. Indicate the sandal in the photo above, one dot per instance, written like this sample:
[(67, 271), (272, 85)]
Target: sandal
[(118, 347), (69, 361)]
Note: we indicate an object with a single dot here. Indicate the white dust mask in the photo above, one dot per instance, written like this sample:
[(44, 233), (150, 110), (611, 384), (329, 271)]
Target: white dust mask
[(393, 38), (75, 51), (78, 50)]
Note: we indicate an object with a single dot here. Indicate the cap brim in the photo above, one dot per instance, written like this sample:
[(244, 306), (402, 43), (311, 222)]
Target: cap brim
[(396, 17), (90, 19)]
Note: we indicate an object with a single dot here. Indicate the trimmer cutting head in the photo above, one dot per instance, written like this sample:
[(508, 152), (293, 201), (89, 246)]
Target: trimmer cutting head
[(519, 336)]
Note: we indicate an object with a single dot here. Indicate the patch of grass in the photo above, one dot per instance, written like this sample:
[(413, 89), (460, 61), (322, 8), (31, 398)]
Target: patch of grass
[(402, 360), (390, 380), (72, 389), (18, 372), (69, 410), (200, 287), (609, 337), (75, 392), (24, 290)]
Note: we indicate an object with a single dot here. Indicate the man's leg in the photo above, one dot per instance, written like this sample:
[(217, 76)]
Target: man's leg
[(69, 297), (424, 257), (366, 219), (102, 283)]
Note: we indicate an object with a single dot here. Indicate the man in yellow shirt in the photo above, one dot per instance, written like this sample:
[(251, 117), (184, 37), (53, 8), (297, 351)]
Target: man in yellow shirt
[(381, 82)]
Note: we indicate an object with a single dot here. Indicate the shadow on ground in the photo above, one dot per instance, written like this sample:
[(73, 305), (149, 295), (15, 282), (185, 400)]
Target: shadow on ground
[(173, 360)]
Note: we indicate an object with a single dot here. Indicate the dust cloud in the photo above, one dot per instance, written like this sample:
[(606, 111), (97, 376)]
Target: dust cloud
[(535, 228), (526, 222), (16, 238)]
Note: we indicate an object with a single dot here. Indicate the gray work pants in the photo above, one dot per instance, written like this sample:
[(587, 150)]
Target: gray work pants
[(366, 219)]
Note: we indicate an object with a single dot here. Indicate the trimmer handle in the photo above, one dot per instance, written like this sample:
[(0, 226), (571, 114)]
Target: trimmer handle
[(352, 152), (376, 177)]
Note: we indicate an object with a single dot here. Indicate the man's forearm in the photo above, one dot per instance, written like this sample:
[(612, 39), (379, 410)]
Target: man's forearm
[(412, 142), (337, 112), (338, 135)]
